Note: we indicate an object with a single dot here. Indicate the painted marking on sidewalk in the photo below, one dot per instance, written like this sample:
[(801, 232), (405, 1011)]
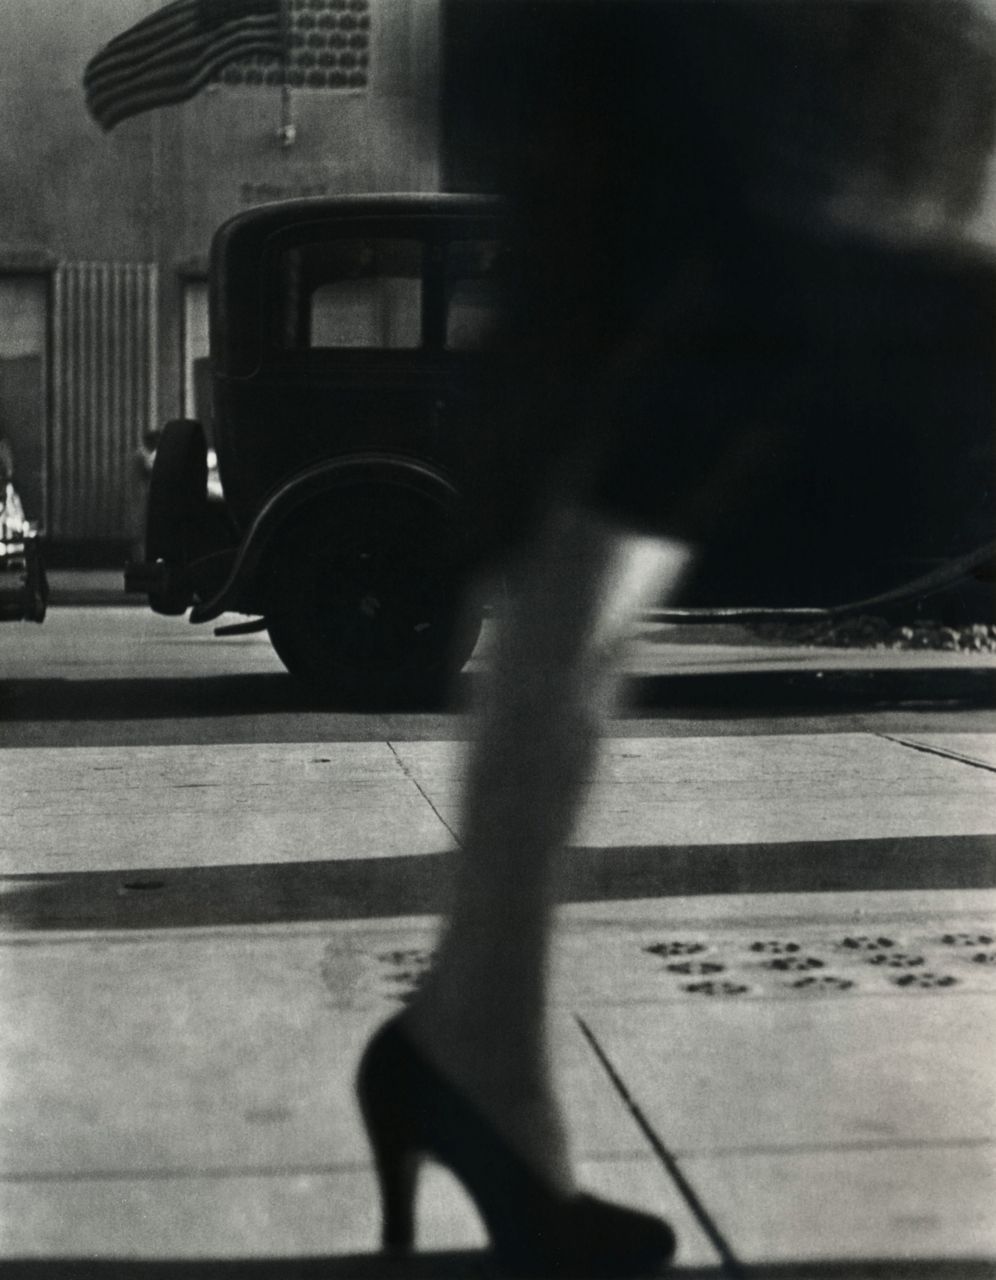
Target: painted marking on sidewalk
[(800, 961)]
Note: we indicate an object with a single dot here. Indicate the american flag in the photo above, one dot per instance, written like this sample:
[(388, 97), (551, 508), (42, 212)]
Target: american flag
[(171, 55)]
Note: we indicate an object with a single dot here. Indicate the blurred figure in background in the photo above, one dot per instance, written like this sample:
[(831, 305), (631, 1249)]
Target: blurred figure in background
[(729, 218), (11, 509)]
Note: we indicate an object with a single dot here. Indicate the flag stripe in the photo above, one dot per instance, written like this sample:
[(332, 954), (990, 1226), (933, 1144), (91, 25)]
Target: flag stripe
[(150, 30), (215, 13), (129, 101), (174, 65), (147, 99), (125, 64), (170, 55), (140, 87)]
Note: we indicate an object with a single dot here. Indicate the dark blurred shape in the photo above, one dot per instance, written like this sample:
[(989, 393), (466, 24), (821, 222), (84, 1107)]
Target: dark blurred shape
[(23, 586), (750, 312)]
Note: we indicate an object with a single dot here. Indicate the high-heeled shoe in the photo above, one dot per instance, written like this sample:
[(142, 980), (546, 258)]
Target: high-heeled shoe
[(412, 1111)]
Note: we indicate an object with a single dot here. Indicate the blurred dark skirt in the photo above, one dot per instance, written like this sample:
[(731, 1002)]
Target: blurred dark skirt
[(743, 313), (866, 437)]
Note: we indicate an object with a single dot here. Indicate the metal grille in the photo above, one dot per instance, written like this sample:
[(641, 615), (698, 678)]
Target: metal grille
[(330, 49), (104, 362)]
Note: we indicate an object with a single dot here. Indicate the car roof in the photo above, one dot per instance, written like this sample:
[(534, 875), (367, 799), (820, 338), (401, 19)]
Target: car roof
[(238, 245), (263, 220)]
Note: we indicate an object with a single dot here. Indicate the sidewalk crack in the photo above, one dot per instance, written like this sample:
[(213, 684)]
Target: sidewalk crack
[(422, 792), (731, 1267), (946, 753)]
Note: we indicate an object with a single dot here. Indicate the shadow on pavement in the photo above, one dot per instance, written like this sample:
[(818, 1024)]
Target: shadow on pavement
[(774, 693), (364, 888), (463, 1266), (151, 698), (705, 693)]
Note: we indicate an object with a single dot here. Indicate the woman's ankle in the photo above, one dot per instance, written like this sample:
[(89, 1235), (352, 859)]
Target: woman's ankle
[(508, 1081)]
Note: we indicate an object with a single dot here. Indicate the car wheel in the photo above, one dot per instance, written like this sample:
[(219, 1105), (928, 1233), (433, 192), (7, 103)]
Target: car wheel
[(175, 512), (371, 586)]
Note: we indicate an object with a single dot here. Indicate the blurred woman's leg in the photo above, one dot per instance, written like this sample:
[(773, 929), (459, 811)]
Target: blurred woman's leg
[(481, 1016)]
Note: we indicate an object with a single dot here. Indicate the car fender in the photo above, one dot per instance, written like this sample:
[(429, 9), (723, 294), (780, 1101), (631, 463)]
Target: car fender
[(303, 489)]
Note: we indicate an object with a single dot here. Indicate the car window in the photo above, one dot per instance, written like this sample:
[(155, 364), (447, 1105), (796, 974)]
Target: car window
[(353, 293), (475, 288)]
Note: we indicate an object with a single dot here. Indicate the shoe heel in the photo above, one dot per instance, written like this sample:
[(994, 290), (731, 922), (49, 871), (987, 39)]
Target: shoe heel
[(397, 1175), (411, 1111), (396, 1162)]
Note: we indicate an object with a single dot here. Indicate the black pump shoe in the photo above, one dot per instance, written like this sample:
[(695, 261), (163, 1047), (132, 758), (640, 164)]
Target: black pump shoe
[(411, 1111)]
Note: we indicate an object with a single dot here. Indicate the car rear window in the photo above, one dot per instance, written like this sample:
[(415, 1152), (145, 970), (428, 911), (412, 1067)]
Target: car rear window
[(476, 284), (352, 293)]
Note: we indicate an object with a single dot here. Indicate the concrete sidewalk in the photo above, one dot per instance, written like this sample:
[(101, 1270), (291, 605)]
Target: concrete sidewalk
[(131, 808), (792, 1080), (802, 1080)]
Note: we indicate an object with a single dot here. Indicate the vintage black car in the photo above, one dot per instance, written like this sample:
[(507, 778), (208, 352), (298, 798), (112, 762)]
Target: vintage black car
[(356, 400), (346, 343)]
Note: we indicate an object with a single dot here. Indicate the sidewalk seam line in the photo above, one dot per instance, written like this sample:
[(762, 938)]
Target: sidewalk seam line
[(729, 1262), (421, 790), (943, 752), (180, 1173)]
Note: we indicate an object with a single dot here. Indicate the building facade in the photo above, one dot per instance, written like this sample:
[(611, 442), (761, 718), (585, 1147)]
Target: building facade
[(104, 237)]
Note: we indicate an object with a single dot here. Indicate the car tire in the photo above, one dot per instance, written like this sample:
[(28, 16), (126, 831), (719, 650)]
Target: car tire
[(370, 581), (175, 512)]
